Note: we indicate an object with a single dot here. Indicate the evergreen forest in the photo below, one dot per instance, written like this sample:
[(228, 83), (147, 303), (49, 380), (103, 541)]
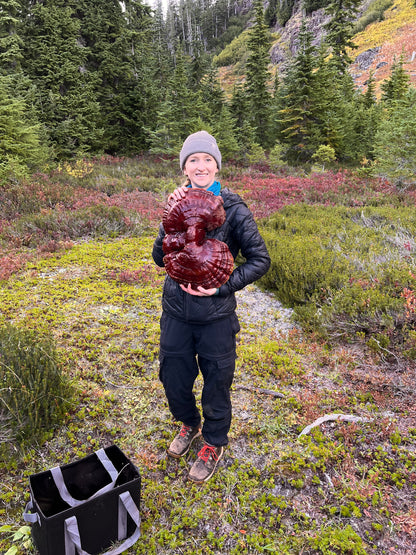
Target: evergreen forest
[(82, 79)]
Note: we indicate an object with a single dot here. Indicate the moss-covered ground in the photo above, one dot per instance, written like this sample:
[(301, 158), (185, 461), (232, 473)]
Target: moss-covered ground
[(343, 487)]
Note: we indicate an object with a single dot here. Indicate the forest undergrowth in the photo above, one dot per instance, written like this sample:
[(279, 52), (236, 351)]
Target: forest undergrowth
[(76, 264)]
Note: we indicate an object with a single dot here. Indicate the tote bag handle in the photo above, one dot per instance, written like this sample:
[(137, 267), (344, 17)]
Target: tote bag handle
[(63, 491), (126, 505)]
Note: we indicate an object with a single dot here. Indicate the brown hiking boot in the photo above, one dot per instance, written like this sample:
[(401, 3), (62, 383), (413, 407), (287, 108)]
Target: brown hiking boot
[(206, 463), (182, 442)]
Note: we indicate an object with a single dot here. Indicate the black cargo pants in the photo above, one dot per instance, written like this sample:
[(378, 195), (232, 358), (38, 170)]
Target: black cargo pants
[(186, 349)]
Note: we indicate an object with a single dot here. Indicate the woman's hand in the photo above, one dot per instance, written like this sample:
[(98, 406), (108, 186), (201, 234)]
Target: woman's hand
[(199, 292), (178, 194)]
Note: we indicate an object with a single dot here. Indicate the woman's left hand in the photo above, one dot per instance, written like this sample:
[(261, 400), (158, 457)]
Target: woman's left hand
[(199, 292)]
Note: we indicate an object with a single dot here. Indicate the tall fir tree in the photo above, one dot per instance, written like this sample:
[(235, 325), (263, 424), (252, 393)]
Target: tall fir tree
[(21, 149), (327, 106), (211, 92), (240, 110), (365, 115), (340, 31), (11, 43), (296, 116), (396, 87), (160, 48), (180, 114), (258, 78), (270, 15), (395, 142), (118, 40), (225, 133), (369, 97), (55, 59)]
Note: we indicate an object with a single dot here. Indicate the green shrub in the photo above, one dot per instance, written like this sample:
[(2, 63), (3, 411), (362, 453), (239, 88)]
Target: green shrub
[(235, 52), (35, 394), (37, 229), (276, 156), (303, 264), (345, 270), (374, 12)]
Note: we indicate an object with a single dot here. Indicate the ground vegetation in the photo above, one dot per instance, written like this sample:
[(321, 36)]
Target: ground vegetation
[(322, 447)]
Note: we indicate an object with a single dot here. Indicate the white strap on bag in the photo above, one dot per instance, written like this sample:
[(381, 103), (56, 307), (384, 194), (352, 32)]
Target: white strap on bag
[(126, 505), (28, 516), (63, 491)]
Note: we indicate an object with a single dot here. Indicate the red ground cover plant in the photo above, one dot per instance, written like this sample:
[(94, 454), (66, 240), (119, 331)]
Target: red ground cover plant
[(263, 191), (9, 265), (267, 194), (143, 203), (149, 273)]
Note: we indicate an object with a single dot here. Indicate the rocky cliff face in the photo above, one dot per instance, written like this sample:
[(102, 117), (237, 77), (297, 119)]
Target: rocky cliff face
[(287, 45), (378, 46)]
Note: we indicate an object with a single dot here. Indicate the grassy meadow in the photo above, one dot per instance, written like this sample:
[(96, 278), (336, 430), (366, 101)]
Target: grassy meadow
[(76, 271)]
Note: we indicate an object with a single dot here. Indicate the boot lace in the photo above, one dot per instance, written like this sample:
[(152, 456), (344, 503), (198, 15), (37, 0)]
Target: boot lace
[(185, 430), (206, 452)]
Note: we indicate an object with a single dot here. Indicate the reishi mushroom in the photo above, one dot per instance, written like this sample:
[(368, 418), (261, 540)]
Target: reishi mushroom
[(190, 256)]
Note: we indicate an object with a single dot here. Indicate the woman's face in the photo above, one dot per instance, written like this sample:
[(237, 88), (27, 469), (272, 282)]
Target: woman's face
[(201, 169)]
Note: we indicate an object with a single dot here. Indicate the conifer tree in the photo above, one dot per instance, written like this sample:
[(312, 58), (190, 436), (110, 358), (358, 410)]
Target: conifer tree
[(327, 106), (21, 149), (270, 15), (369, 97), (396, 87), (366, 116), (10, 41), (119, 57), (160, 48), (340, 30), (15, 83), (225, 133), (55, 60), (240, 112), (335, 109), (180, 113), (211, 92), (395, 142), (258, 77), (296, 113)]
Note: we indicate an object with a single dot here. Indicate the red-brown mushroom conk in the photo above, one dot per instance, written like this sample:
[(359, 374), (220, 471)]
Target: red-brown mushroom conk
[(191, 256)]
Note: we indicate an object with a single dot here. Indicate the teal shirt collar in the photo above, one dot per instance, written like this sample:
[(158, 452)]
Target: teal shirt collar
[(214, 188)]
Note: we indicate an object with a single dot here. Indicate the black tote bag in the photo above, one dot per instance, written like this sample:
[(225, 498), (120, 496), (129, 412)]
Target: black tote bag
[(86, 506)]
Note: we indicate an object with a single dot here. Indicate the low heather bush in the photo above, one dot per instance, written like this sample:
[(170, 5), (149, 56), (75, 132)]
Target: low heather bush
[(35, 394), (345, 271), (97, 220)]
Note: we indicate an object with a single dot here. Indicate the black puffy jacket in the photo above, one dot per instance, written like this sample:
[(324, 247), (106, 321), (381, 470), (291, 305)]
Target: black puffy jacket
[(241, 234)]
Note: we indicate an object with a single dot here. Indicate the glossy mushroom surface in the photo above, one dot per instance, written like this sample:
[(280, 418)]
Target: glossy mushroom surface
[(191, 256)]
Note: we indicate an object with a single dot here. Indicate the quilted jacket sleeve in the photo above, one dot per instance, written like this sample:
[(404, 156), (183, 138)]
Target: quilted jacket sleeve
[(247, 239), (157, 252)]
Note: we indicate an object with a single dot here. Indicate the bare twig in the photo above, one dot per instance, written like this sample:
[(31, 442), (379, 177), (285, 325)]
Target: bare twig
[(260, 390), (333, 417)]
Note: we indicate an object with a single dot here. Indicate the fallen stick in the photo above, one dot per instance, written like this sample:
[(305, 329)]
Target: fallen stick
[(333, 417), (260, 390)]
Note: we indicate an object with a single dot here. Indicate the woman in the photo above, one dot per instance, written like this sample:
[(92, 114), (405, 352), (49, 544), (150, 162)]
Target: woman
[(198, 326)]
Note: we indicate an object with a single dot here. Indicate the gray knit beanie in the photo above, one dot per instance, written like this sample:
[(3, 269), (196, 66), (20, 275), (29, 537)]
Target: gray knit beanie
[(200, 142)]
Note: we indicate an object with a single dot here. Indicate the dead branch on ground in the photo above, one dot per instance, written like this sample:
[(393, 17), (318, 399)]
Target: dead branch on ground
[(333, 417)]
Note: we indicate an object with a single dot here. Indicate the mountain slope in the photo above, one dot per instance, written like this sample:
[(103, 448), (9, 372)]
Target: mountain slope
[(378, 46), (383, 42)]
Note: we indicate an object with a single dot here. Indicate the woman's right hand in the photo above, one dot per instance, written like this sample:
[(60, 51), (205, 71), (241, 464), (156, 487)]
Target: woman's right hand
[(178, 194)]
